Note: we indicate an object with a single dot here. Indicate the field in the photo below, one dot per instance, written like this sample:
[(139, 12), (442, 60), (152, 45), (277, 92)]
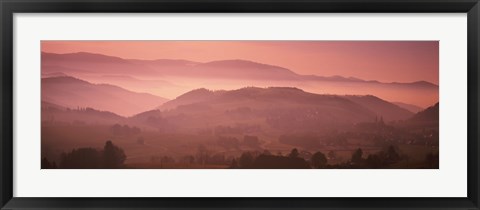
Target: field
[(154, 149)]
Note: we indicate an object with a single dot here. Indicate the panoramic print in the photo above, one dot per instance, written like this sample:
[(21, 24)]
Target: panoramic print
[(239, 105)]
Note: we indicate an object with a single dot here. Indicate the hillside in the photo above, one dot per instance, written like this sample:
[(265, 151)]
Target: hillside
[(172, 77), (430, 114), (279, 107), (387, 110), (409, 107), (74, 93)]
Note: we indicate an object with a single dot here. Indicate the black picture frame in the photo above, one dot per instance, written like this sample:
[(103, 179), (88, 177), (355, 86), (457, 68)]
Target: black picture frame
[(10, 7)]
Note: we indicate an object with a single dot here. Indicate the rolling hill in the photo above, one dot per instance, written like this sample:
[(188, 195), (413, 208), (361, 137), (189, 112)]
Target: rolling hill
[(387, 110), (229, 69), (53, 113), (73, 93), (283, 95), (172, 77), (409, 107), (279, 107), (430, 114)]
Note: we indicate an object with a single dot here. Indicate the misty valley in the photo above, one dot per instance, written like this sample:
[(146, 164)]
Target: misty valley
[(276, 127), (107, 112)]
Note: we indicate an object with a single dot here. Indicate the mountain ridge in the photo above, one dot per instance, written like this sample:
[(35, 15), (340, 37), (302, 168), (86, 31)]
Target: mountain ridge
[(242, 63), (73, 92), (278, 96)]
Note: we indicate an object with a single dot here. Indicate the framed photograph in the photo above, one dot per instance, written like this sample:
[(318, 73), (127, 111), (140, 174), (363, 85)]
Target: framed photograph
[(239, 104)]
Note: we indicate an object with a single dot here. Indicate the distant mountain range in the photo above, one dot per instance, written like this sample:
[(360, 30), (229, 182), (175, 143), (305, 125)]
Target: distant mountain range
[(233, 69), (388, 111), (409, 107), (73, 93), (56, 113), (284, 108), (275, 97), (430, 114), (337, 108), (171, 78)]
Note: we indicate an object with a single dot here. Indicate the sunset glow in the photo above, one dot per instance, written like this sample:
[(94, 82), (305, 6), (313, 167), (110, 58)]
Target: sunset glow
[(240, 104), (385, 61)]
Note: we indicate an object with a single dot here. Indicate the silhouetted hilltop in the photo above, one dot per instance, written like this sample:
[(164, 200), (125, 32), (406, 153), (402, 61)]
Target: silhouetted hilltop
[(72, 92), (244, 69), (85, 115), (54, 74), (417, 84), (164, 62), (228, 69), (410, 107), (172, 77), (51, 106), (280, 107), (67, 80), (81, 57), (258, 95), (430, 114), (238, 63), (191, 97), (82, 62), (387, 110)]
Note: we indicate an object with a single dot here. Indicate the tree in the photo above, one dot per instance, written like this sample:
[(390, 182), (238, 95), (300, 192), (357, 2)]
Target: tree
[(431, 160), (392, 155), (266, 152), (332, 155), (279, 162), (189, 159), (113, 156), (294, 153), (46, 164), (246, 160), (85, 158), (234, 163), (116, 130), (374, 161), (357, 156), (319, 160), (136, 130), (202, 154), (251, 141)]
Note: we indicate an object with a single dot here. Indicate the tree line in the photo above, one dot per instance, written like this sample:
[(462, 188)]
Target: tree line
[(318, 160), (110, 157)]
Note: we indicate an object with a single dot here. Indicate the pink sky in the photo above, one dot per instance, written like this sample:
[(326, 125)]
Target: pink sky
[(386, 61)]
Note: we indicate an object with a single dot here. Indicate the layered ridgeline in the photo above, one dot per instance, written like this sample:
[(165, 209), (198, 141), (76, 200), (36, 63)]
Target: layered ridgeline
[(280, 107), (225, 124), (276, 108), (428, 118), (431, 114), (409, 107), (171, 78), (74, 93)]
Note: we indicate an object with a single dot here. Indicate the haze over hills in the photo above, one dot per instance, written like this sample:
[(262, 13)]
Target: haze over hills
[(239, 104), (243, 69), (56, 113), (409, 107), (200, 109), (191, 97), (72, 92), (387, 110), (431, 114), (237, 69), (290, 106), (279, 95), (171, 78)]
